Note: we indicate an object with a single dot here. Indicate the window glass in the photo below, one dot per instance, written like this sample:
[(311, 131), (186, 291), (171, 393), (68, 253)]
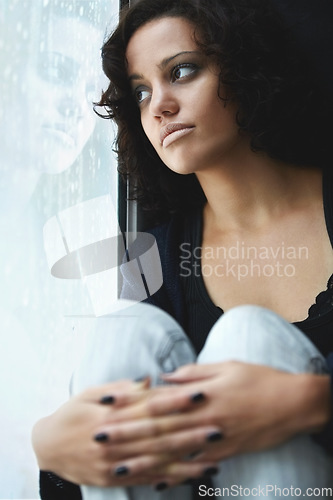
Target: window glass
[(58, 193)]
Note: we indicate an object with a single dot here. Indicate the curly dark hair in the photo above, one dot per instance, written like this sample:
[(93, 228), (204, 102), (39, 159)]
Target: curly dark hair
[(279, 105)]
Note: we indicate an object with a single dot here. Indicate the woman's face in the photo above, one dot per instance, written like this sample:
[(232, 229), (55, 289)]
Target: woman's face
[(176, 87), (50, 118)]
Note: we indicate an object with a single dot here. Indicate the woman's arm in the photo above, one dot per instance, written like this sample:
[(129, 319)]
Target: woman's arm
[(64, 442), (69, 442), (306, 398), (171, 433), (325, 437), (251, 407)]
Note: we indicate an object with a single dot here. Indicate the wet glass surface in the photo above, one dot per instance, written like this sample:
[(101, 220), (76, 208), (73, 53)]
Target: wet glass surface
[(56, 155)]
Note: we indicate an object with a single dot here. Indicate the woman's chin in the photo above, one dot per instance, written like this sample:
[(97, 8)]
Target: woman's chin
[(56, 163)]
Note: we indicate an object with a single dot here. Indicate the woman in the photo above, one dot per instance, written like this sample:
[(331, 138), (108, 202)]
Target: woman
[(216, 118)]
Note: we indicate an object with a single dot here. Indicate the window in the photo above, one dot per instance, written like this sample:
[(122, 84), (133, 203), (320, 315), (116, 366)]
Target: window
[(59, 211)]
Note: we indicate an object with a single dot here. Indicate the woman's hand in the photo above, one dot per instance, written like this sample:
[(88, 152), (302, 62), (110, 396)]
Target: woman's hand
[(255, 406), (64, 441), (214, 412), (70, 444), (170, 433)]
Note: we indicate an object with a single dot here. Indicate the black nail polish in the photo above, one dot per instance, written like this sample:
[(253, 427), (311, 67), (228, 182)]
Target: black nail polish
[(121, 471), (107, 400), (198, 397), (102, 437), (161, 486), (214, 436), (211, 471)]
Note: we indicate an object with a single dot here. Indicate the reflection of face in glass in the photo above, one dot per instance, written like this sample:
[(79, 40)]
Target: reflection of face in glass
[(52, 116), (64, 80)]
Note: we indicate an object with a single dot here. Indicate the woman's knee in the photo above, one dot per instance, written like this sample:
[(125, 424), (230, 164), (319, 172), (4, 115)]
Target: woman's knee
[(162, 338), (136, 341), (255, 334)]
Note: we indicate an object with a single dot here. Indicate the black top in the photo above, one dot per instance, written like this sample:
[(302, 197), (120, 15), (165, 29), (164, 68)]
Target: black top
[(202, 313)]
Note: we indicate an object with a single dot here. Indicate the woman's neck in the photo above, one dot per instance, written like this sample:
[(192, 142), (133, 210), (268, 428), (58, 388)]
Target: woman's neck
[(249, 193)]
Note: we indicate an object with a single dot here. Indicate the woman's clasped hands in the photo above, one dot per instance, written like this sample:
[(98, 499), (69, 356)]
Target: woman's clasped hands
[(126, 433)]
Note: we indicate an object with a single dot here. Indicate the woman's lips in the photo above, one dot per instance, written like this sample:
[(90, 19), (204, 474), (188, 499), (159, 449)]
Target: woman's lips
[(61, 134), (174, 131)]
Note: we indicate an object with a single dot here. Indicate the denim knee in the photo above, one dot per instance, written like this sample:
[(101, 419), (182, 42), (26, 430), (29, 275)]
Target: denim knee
[(255, 334), (136, 341)]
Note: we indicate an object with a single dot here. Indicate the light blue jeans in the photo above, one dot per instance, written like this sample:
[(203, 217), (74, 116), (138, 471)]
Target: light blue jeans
[(143, 340)]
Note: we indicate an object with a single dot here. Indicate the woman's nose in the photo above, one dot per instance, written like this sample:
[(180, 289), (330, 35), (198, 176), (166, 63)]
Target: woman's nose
[(163, 101), (73, 103)]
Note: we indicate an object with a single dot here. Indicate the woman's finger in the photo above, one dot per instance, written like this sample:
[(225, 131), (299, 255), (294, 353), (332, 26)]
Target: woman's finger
[(193, 372), (178, 444), (137, 424), (116, 394), (161, 401), (157, 467)]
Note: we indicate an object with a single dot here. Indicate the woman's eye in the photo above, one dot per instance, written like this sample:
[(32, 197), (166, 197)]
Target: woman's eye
[(183, 71), (141, 95), (57, 68)]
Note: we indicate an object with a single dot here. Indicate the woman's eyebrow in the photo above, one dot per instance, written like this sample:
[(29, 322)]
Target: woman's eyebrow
[(164, 63)]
